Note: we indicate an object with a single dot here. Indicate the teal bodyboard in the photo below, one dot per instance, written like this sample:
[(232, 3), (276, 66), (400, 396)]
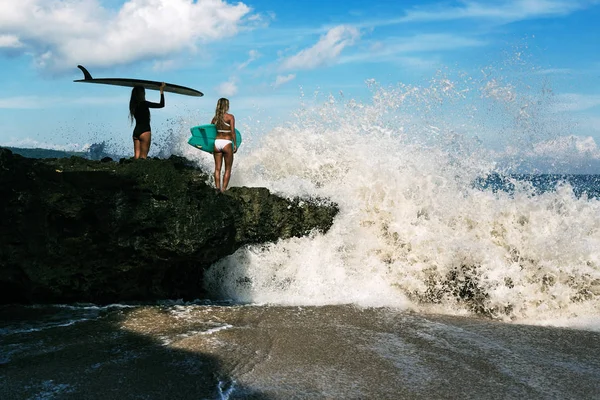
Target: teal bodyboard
[(203, 137)]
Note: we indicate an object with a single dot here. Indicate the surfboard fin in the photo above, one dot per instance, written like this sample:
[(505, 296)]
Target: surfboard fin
[(86, 74)]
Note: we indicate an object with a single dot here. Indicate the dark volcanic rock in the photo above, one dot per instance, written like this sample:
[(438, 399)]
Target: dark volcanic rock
[(78, 230)]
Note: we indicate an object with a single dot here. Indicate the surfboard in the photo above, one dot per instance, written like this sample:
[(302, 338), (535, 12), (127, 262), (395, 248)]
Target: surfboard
[(203, 137), (153, 85)]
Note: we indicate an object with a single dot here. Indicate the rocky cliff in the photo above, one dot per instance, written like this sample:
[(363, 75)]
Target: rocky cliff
[(78, 230)]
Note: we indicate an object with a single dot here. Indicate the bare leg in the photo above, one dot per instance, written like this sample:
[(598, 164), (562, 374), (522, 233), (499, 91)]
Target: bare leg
[(145, 141), (136, 147), (228, 155), (218, 162)]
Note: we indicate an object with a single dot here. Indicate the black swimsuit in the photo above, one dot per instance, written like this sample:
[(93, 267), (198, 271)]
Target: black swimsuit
[(142, 116)]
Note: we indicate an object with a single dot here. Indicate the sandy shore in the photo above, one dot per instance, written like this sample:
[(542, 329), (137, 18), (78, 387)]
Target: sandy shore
[(262, 352)]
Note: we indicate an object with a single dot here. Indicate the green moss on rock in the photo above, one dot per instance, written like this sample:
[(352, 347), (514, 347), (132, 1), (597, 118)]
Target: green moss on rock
[(79, 230)]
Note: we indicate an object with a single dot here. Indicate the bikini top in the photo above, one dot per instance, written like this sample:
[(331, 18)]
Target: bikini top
[(224, 130)]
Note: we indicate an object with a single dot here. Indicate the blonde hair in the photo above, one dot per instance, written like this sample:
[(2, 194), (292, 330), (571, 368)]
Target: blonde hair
[(222, 108)]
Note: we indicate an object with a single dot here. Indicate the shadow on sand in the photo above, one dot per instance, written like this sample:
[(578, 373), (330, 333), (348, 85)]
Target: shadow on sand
[(97, 359)]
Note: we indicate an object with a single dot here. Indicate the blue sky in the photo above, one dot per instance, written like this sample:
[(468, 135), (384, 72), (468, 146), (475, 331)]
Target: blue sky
[(263, 53)]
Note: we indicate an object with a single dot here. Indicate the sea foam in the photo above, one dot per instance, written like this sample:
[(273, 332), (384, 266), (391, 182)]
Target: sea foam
[(413, 230)]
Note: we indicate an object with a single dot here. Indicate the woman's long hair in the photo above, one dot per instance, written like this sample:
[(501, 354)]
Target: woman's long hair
[(138, 96), (222, 108)]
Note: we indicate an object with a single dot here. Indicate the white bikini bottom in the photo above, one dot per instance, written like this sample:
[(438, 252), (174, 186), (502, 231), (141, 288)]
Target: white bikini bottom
[(221, 143)]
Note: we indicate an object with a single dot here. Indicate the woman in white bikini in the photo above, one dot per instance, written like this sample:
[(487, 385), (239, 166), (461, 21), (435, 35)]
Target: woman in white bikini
[(225, 143)]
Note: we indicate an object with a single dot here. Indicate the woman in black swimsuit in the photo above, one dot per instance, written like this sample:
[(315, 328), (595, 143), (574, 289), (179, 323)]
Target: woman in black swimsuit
[(139, 109)]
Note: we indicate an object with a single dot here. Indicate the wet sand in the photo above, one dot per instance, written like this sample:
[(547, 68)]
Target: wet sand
[(264, 352)]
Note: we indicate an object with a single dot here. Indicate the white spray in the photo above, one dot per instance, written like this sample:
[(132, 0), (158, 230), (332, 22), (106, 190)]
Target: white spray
[(412, 230)]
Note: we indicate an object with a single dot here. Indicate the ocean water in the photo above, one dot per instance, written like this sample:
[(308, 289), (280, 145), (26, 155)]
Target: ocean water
[(464, 262)]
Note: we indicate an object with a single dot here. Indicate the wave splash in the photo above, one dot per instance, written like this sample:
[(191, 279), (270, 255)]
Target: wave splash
[(413, 231)]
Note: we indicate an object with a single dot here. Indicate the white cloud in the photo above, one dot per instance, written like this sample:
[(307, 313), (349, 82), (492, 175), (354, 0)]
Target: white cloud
[(434, 42), (325, 51), (164, 65), (389, 49), (493, 11), (554, 71), (10, 41), (228, 88), (506, 11), (281, 79), (37, 102), (567, 154), (567, 145), (29, 143), (22, 102), (63, 33), (576, 102), (252, 56)]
